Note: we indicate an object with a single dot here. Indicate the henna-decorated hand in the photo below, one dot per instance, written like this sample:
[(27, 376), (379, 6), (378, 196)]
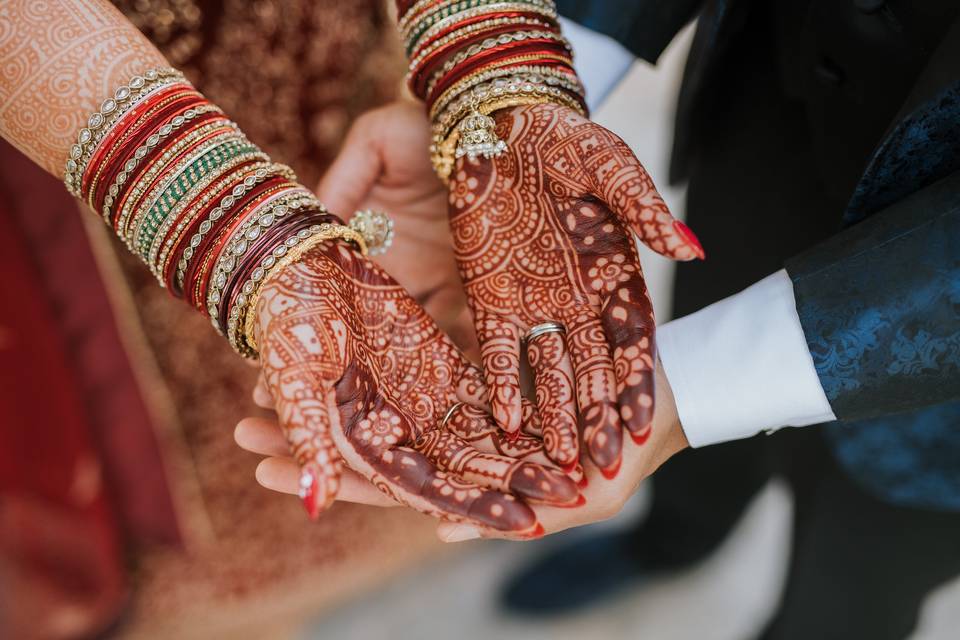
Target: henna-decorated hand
[(542, 234), (361, 375), (604, 499), (384, 166)]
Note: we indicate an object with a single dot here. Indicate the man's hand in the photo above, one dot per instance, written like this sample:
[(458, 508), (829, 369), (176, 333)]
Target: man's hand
[(361, 376), (384, 165), (542, 234)]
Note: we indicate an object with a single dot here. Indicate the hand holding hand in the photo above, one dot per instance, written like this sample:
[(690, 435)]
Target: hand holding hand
[(361, 375), (605, 499)]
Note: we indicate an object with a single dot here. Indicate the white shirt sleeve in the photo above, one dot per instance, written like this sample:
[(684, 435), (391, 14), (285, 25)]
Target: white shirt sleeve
[(742, 366), (600, 61)]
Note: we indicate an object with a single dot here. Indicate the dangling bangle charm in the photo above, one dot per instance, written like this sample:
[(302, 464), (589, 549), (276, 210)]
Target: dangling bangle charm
[(478, 137)]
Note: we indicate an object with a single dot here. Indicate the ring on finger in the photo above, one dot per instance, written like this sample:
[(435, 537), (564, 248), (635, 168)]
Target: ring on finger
[(449, 414), (543, 329)]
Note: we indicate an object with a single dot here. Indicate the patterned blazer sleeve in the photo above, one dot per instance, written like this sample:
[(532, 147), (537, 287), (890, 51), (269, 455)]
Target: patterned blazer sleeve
[(880, 306), (645, 27)]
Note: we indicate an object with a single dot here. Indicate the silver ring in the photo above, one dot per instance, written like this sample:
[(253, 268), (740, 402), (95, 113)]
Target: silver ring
[(544, 328), (449, 413)]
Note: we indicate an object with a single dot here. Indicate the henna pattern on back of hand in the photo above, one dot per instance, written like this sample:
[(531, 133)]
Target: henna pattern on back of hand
[(542, 233), (362, 376)]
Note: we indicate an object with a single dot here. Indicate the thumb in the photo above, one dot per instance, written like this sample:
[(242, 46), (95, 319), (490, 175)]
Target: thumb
[(348, 181), (306, 420), (626, 187)]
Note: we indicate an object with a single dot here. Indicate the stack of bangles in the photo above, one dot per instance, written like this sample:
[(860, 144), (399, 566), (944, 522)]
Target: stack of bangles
[(469, 58), (208, 212)]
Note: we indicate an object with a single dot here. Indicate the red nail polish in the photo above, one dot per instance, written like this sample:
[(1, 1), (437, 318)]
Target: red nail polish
[(583, 482), (569, 468), (309, 486), (538, 531), (641, 436), (581, 500), (691, 238), (611, 472)]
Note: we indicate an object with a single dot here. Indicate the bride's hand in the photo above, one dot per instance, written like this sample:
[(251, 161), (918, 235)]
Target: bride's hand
[(360, 375), (543, 236), (384, 166)]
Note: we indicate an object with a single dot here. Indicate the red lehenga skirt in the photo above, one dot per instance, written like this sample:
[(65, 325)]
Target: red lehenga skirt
[(124, 503)]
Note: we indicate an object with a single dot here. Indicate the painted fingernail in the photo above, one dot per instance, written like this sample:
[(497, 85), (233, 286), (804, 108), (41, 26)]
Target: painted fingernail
[(309, 487), (463, 533), (641, 436), (691, 238), (537, 532), (611, 472), (583, 482), (570, 469)]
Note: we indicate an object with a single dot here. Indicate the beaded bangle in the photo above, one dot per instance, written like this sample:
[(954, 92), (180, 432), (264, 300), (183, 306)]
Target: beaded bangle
[(485, 17), (274, 264), (131, 130), (110, 111), (205, 158), (516, 75), (141, 152), (225, 205), (238, 244), (192, 199), (210, 164), (142, 181), (198, 202)]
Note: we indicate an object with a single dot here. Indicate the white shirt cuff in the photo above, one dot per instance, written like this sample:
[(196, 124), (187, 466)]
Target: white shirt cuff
[(742, 365), (600, 61)]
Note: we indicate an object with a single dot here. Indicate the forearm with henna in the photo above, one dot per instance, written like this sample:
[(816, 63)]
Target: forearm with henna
[(359, 372), (58, 60)]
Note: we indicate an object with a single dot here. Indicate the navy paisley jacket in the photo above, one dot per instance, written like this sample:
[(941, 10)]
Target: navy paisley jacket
[(880, 301)]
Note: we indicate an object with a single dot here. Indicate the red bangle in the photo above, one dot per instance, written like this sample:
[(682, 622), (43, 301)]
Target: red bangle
[(516, 48)]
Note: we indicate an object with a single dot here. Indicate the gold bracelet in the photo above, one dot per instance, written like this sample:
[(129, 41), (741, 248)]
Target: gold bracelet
[(495, 69), (246, 344), (504, 79)]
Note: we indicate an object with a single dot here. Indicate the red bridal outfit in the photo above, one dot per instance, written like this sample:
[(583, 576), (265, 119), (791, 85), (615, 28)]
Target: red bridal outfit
[(124, 502)]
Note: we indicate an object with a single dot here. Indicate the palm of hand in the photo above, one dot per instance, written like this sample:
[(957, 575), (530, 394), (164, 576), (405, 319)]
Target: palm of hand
[(360, 374), (384, 167), (542, 234)]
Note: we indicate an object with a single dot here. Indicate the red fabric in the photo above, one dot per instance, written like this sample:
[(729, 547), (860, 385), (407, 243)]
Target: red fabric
[(79, 466)]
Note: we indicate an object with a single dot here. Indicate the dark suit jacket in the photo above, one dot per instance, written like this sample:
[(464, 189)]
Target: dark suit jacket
[(880, 301)]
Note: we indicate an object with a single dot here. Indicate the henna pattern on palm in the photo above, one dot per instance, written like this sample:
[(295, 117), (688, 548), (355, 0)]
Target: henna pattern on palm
[(362, 376), (542, 234)]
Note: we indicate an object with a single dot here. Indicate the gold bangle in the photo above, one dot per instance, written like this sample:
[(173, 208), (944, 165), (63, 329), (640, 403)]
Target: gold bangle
[(500, 68), (511, 79), (247, 316)]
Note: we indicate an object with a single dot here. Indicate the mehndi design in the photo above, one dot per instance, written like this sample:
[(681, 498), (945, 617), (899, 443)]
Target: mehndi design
[(542, 234), (362, 376)]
